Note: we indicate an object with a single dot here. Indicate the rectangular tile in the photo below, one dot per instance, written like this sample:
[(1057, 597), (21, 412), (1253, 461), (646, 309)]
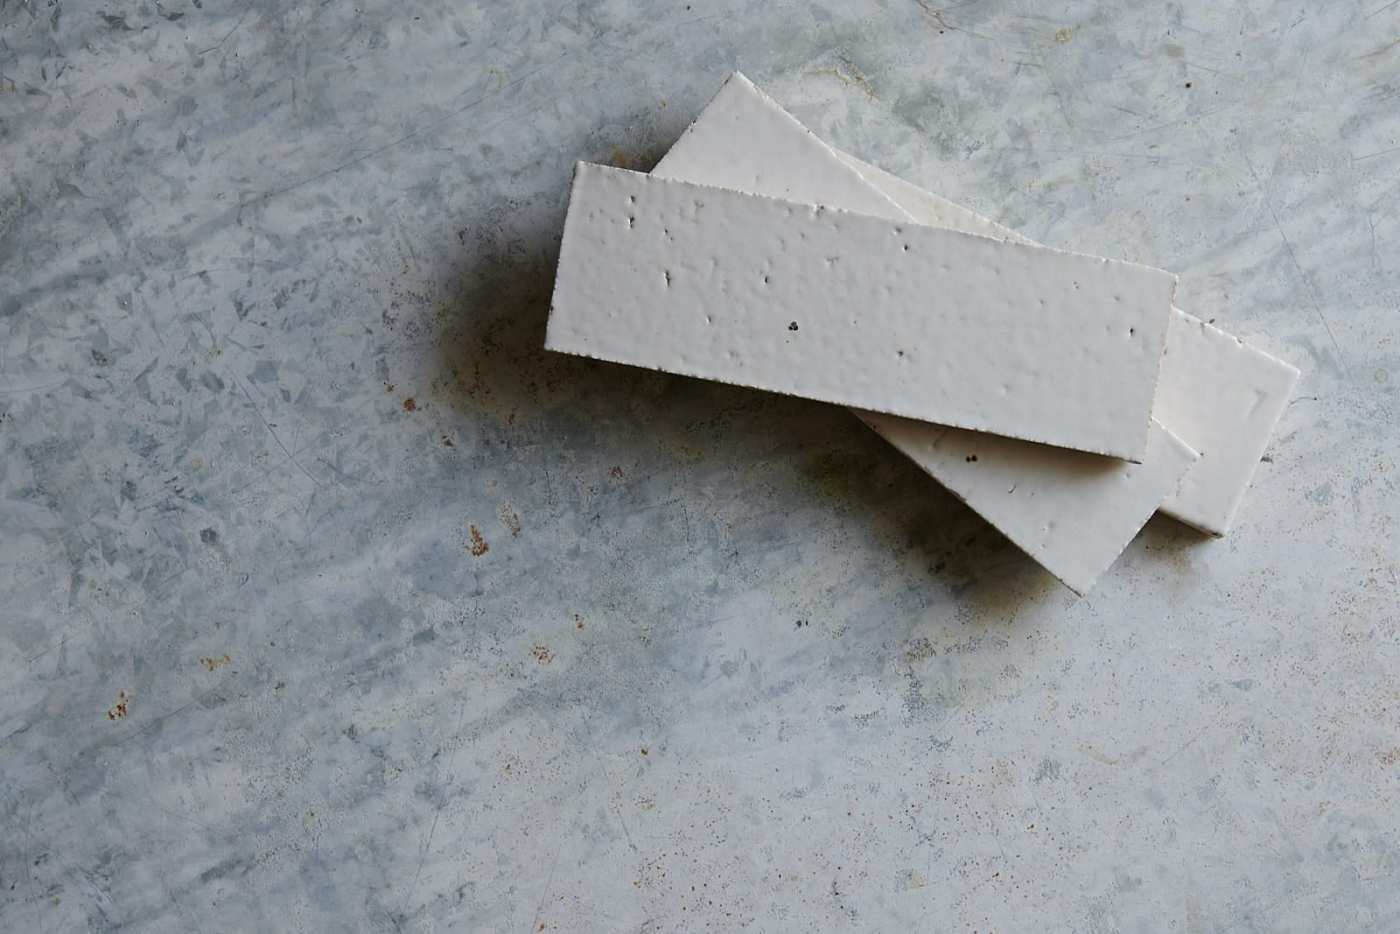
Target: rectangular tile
[(903, 319)]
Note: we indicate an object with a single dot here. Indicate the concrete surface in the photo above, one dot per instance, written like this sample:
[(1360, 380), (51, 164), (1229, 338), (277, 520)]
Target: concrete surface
[(330, 602)]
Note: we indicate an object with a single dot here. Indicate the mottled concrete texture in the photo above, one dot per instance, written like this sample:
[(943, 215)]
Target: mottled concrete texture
[(330, 602)]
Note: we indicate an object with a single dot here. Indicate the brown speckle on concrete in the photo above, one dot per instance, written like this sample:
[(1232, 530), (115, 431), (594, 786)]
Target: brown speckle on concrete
[(541, 653), (212, 663), (410, 404), (478, 546), (118, 711)]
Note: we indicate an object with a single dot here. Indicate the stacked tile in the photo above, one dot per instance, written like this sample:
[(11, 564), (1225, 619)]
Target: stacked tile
[(1061, 396)]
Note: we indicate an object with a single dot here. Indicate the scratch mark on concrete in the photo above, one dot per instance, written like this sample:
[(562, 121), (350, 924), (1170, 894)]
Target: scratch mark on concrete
[(270, 431), (1383, 152), (938, 16), (1293, 257), (163, 717), (236, 26), (432, 828), (548, 884), (1381, 51)]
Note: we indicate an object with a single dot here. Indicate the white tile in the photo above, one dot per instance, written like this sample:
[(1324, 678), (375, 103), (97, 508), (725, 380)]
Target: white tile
[(898, 318)]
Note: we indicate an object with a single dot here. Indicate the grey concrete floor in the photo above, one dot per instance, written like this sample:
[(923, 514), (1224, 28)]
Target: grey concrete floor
[(328, 601)]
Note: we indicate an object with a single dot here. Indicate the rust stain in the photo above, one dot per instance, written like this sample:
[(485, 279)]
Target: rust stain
[(541, 653), (509, 519), (578, 621), (410, 404), (210, 663), (478, 545), (118, 711)]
